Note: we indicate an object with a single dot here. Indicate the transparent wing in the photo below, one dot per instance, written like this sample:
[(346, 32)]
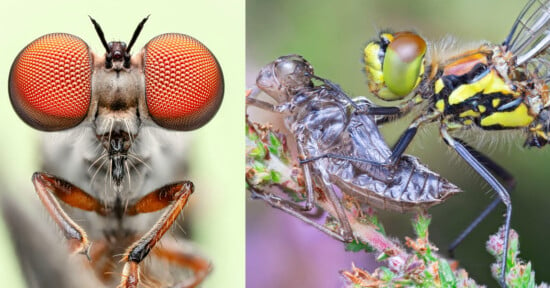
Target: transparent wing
[(530, 34)]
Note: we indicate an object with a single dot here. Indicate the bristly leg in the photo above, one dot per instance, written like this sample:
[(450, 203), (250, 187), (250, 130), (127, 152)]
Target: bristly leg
[(175, 197)]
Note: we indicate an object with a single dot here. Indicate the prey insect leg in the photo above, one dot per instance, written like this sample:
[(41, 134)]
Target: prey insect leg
[(175, 195), (252, 101), (493, 182), (500, 172), (346, 232), (300, 211), (294, 210)]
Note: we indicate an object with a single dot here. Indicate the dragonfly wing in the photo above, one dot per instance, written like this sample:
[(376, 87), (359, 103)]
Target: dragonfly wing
[(530, 33)]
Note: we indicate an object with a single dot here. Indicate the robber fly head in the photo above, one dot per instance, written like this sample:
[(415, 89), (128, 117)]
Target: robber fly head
[(57, 83), (117, 55)]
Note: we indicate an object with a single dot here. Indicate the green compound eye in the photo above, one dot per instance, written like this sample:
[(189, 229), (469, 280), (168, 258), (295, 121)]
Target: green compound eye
[(403, 64)]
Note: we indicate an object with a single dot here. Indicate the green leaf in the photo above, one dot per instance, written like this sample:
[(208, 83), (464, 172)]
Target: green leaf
[(386, 274), (421, 225), (275, 176), (357, 246), (446, 274)]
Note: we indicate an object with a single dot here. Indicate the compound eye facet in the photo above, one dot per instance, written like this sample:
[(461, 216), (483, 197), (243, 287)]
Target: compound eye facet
[(50, 82), (403, 63), (183, 82)]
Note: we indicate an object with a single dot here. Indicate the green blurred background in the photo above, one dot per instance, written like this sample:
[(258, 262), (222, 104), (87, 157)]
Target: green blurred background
[(331, 35), (217, 205)]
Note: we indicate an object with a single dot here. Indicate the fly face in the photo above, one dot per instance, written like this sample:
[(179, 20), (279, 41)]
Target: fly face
[(119, 92), (110, 113), (116, 94)]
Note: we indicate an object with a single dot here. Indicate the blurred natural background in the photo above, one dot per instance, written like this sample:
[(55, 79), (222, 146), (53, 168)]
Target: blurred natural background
[(282, 251), (216, 209)]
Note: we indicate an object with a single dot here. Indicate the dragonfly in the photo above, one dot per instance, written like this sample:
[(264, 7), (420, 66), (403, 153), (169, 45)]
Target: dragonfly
[(323, 119), (492, 87), (113, 154)]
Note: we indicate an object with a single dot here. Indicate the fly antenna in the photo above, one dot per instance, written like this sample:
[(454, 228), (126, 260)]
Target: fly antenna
[(100, 33), (136, 33)]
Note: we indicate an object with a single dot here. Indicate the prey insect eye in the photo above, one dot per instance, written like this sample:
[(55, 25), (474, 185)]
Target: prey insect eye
[(50, 82), (183, 82)]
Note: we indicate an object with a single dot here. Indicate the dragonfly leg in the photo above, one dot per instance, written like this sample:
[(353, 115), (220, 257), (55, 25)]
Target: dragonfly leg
[(500, 172), (493, 182)]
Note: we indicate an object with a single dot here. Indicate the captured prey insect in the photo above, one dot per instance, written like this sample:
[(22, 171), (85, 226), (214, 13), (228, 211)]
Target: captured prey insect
[(108, 114), (492, 87), (322, 119)]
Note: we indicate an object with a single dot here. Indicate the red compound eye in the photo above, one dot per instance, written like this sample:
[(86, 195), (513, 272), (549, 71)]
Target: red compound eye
[(50, 82), (183, 82)]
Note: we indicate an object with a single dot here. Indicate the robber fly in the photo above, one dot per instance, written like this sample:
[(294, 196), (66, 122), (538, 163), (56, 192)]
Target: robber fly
[(323, 120), (109, 159), (492, 87)]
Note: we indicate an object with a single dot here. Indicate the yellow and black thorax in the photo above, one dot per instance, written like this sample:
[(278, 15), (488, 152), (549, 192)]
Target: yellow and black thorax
[(465, 89), (470, 91)]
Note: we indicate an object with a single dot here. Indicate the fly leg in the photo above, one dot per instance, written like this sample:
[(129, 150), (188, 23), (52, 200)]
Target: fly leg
[(498, 171), (175, 196), (184, 256), (493, 182), (47, 186)]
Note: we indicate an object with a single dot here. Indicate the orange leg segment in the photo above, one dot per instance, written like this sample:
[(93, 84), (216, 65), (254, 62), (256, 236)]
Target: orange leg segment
[(173, 253), (46, 186), (175, 194)]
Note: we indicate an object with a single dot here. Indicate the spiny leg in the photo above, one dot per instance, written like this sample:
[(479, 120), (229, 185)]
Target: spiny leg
[(175, 195), (500, 172), (251, 100), (493, 182), (45, 185), (300, 211), (330, 194), (310, 195)]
